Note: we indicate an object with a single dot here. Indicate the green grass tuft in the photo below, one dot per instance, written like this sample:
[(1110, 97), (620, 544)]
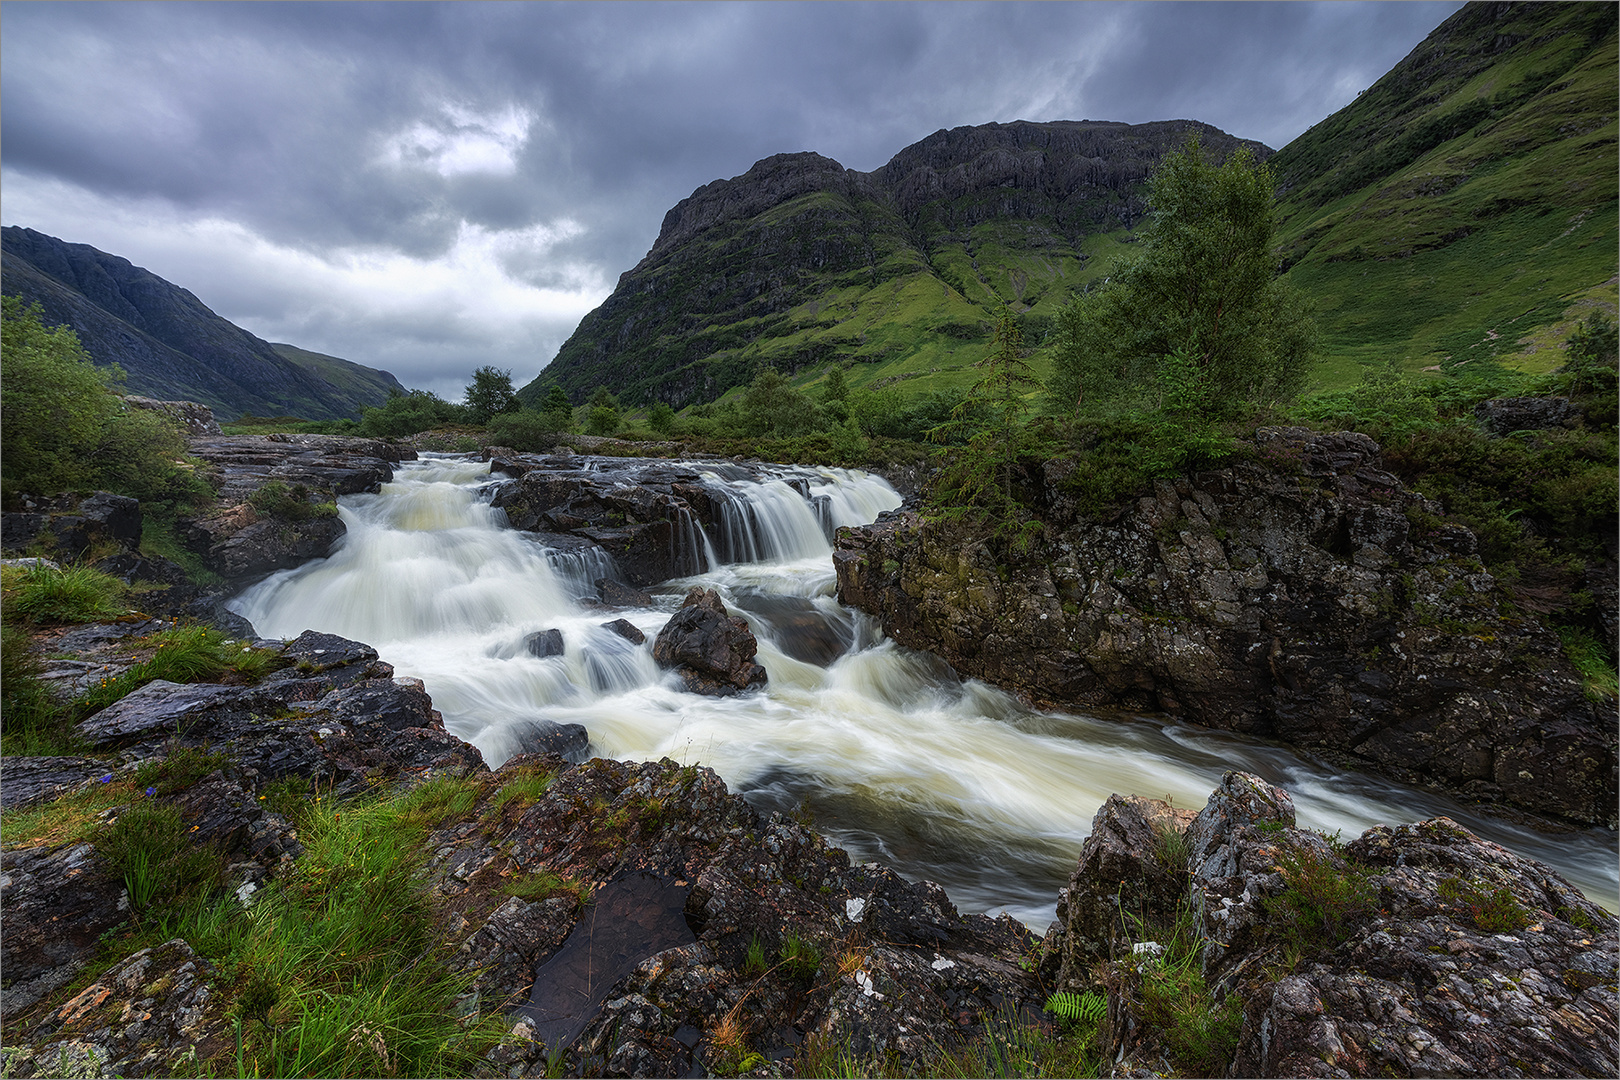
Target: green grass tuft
[(72, 594)]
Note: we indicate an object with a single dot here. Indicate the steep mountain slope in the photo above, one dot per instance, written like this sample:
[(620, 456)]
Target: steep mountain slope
[(1468, 196), (800, 261), (169, 344), (1464, 202)]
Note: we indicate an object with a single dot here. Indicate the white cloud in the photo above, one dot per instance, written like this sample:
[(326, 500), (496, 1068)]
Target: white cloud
[(462, 141), (430, 321)]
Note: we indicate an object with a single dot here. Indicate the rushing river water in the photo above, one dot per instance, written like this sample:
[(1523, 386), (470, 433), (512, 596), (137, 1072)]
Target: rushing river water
[(898, 759)]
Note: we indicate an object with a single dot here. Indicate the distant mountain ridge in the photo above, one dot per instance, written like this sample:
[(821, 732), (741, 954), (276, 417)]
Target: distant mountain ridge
[(1465, 200), (800, 260), (170, 345)]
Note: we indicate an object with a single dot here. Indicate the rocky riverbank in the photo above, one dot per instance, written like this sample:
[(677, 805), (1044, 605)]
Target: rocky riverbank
[(1446, 952), (1308, 596)]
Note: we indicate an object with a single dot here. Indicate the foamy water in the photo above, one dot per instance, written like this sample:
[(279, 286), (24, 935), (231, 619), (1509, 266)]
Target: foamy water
[(898, 759)]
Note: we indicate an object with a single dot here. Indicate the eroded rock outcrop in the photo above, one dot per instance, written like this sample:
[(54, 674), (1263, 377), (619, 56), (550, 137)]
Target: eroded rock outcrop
[(238, 540), (1308, 597), (1419, 950)]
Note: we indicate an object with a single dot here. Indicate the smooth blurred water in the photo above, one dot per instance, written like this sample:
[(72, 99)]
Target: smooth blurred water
[(898, 759)]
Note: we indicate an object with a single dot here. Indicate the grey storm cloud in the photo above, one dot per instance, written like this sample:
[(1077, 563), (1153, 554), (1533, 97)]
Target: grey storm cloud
[(525, 153)]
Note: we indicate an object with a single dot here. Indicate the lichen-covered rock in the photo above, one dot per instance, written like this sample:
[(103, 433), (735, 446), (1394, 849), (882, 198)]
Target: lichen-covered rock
[(1308, 597), (144, 1017), (1419, 950), (1129, 867), (58, 901), (884, 964)]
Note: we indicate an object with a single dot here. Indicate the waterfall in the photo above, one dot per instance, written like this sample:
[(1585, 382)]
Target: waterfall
[(896, 757)]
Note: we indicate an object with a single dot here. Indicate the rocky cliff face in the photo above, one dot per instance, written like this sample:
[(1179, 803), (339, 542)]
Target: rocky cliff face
[(1312, 599), (741, 268)]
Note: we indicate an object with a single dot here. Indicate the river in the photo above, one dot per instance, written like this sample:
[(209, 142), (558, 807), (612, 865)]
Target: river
[(897, 758)]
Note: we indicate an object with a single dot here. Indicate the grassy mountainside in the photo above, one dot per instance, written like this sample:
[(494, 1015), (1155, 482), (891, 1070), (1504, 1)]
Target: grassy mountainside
[(1467, 200), (365, 385), (170, 345), (800, 261), (1464, 206)]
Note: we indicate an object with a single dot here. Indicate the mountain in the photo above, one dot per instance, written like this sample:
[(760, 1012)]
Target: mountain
[(800, 260), (1466, 199), (1464, 202), (170, 345)]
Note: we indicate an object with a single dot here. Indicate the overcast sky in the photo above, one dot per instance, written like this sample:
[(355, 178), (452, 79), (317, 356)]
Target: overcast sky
[(428, 188)]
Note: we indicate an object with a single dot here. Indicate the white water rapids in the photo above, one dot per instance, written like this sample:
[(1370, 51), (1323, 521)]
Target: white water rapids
[(897, 758)]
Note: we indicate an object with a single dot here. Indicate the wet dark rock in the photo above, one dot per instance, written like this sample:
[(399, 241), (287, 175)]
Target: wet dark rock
[(619, 595), (544, 643), (800, 628), (25, 781), (1504, 416), (546, 737), (712, 651), (235, 541), (1451, 956), (161, 710), (915, 974), (1309, 598), (313, 651), (58, 902), (627, 630), (68, 526)]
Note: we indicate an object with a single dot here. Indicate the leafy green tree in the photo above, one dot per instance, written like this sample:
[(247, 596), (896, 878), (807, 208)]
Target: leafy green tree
[(65, 429), (1204, 289), (557, 409), (602, 413), (490, 394), (770, 406), (407, 414), (1589, 376), (661, 418), (836, 385)]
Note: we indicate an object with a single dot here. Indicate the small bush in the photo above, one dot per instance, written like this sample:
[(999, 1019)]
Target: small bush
[(801, 959), (544, 884), (1495, 911), (72, 594), (1592, 661), (527, 430), (294, 503), (1323, 897)]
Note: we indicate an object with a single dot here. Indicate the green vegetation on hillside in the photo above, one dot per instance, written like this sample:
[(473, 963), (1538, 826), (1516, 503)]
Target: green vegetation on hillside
[(65, 429), (1465, 201)]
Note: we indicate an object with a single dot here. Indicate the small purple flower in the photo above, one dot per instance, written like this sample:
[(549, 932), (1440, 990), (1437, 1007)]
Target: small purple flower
[(107, 779), (151, 791)]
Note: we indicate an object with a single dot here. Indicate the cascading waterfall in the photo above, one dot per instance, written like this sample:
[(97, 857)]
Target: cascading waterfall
[(897, 758)]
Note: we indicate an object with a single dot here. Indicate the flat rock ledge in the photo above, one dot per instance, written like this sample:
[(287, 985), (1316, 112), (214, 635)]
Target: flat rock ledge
[(693, 876)]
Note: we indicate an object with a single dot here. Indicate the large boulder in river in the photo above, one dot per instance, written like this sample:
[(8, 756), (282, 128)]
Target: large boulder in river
[(712, 651), (1306, 596)]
